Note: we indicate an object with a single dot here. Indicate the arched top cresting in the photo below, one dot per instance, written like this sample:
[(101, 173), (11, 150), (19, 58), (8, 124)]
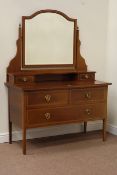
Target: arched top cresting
[(50, 11)]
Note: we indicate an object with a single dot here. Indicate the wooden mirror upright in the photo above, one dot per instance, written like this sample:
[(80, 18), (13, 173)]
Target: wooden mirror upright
[(59, 91)]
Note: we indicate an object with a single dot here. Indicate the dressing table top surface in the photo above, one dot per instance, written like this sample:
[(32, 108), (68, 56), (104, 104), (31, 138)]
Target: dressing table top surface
[(57, 85)]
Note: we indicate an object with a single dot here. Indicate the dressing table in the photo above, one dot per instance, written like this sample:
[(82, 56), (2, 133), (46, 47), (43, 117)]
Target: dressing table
[(48, 81)]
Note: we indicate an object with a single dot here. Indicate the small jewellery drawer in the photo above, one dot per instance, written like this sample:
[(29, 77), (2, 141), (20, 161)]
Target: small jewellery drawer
[(62, 115), (87, 76), (49, 97), (87, 94), (24, 79)]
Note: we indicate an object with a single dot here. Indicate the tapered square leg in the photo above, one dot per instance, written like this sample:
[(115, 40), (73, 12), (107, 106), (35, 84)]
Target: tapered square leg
[(24, 142), (104, 129), (10, 132), (85, 127)]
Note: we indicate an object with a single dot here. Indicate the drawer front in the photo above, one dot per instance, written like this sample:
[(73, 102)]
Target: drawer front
[(24, 79), (88, 94), (47, 116), (41, 98), (93, 111), (87, 76), (71, 114)]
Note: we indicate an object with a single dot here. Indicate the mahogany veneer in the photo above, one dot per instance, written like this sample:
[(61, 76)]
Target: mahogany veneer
[(39, 98)]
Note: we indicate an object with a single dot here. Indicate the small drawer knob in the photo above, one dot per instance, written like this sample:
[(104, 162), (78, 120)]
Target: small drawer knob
[(47, 98), (47, 115), (25, 79), (86, 76)]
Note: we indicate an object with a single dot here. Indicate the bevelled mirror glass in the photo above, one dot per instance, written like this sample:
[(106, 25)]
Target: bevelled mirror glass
[(49, 40)]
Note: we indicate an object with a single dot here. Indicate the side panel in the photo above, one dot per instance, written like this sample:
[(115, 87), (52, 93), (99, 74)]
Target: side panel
[(16, 103)]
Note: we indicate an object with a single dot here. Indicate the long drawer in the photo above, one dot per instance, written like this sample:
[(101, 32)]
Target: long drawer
[(87, 95), (48, 97), (38, 117)]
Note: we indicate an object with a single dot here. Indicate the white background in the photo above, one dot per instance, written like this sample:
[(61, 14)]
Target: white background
[(96, 21)]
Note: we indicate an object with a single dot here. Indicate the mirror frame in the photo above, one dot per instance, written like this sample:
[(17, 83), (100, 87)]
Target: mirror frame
[(51, 67)]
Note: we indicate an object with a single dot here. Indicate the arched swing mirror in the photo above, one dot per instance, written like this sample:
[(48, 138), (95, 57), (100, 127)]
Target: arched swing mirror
[(49, 41)]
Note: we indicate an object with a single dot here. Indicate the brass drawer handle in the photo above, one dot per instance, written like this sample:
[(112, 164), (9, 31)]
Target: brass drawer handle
[(88, 95), (47, 98), (88, 111), (47, 115)]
